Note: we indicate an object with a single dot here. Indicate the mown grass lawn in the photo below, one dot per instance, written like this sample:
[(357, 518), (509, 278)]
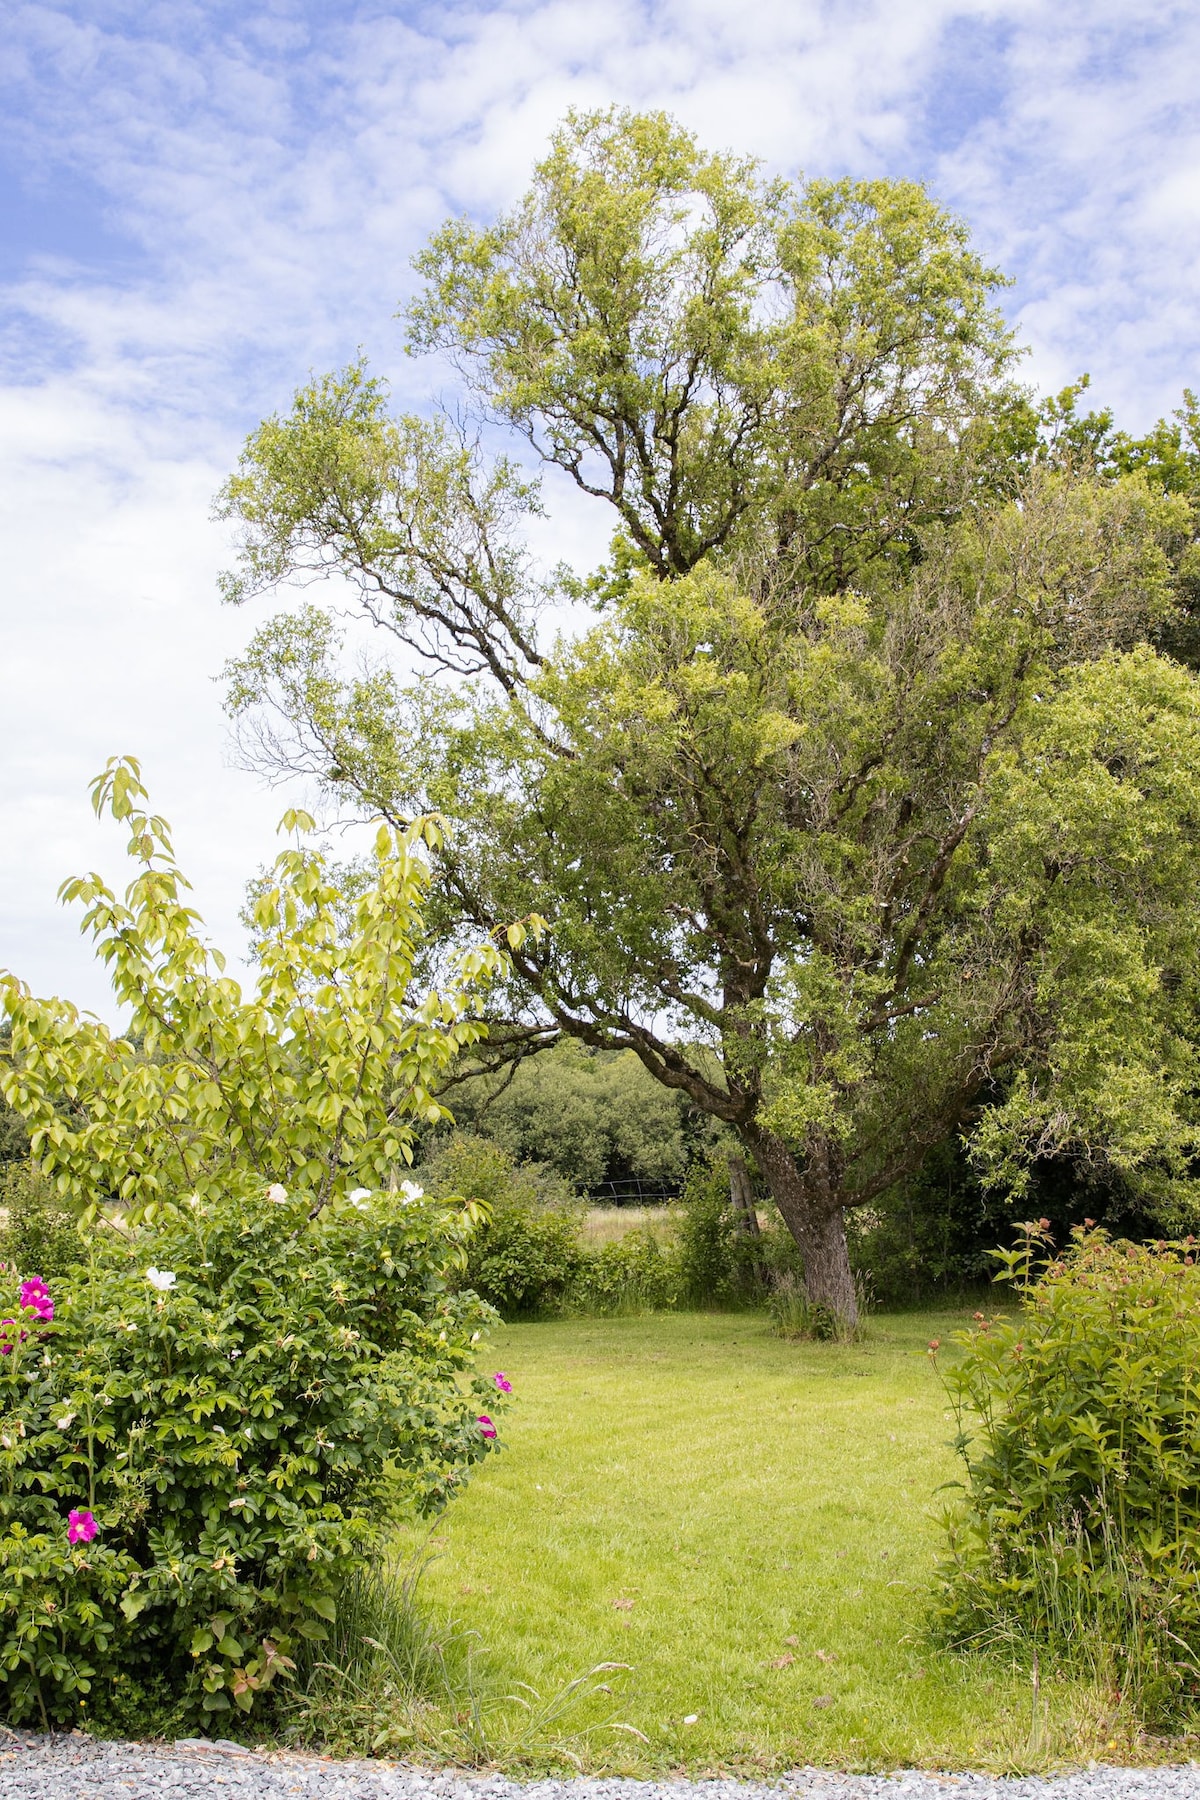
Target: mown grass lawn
[(751, 1524)]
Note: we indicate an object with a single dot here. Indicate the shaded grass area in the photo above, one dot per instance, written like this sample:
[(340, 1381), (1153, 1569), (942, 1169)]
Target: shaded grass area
[(751, 1525)]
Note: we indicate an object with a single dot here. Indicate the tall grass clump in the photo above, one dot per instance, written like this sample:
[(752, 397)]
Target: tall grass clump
[(1078, 1539), (383, 1665), (794, 1315), (389, 1681)]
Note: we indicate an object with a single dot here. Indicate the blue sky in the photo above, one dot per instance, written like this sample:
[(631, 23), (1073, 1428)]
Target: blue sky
[(200, 203)]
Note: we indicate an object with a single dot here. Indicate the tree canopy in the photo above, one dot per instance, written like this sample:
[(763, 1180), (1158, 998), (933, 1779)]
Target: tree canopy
[(315, 1078), (863, 811)]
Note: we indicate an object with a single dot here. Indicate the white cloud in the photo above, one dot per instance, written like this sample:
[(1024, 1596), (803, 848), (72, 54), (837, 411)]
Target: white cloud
[(110, 649), (273, 170)]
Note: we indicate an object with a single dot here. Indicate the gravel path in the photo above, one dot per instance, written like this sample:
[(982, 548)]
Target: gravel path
[(76, 1768)]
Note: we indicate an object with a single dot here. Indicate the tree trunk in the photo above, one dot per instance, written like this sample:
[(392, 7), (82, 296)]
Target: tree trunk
[(810, 1202), (745, 1213), (741, 1194)]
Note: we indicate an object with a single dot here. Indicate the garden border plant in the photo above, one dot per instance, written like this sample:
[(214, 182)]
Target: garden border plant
[(211, 1431), (206, 1423), (1078, 1536)]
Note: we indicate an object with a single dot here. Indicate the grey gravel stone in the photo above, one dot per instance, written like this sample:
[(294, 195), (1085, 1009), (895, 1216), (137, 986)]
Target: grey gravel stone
[(75, 1767)]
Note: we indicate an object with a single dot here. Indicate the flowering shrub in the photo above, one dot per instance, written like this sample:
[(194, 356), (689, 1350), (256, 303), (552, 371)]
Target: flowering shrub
[(205, 1421), (202, 1434), (1079, 1425)]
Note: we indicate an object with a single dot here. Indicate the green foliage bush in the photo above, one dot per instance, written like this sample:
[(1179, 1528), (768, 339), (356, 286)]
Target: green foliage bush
[(935, 1232), (38, 1228), (14, 1138), (1079, 1424), (525, 1262), (526, 1250), (634, 1273), (720, 1262), (236, 1396), (528, 1255)]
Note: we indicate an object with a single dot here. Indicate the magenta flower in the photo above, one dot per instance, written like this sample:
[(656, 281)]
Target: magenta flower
[(6, 1325), (81, 1527), (485, 1425), (502, 1382), (35, 1298)]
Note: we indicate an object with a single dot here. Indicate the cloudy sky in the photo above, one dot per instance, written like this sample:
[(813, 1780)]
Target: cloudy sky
[(202, 202)]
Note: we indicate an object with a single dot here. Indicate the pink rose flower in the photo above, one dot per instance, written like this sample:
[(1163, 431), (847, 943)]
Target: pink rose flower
[(486, 1426), (81, 1527), (502, 1382), (35, 1298)]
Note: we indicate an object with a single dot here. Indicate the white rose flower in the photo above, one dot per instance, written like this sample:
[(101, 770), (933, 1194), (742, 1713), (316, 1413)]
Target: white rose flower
[(162, 1279), (360, 1194), (410, 1192), (277, 1192)]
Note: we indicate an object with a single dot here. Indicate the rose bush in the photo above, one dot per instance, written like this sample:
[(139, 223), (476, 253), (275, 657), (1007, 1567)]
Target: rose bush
[(207, 1428), (206, 1420)]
